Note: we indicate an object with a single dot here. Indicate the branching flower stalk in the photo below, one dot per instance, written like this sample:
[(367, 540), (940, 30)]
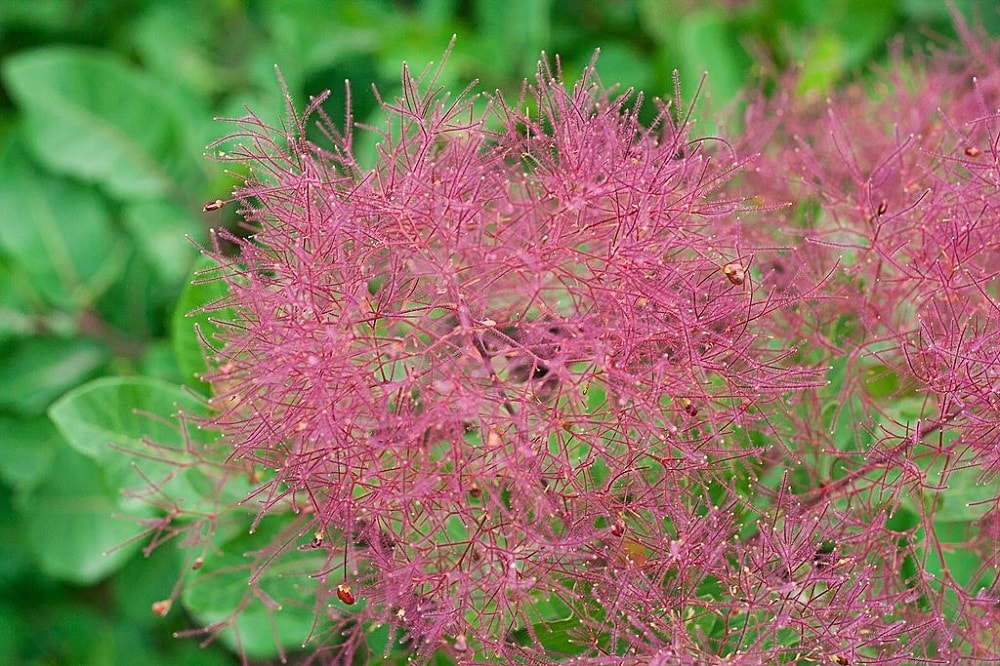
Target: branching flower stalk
[(532, 389)]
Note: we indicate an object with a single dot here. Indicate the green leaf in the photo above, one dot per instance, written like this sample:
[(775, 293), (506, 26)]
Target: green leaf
[(14, 632), (316, 40), (159, 362), (142, 582), (82, 636), (556, 637), (949, 552), (200, 290), (845, 35), (116, 411), (880, 382), (136, 304), (70, 524), (965, 497), (57, 232), (177, 40), (37, 370), (113, 420), (515, 32), (626, 65), (706, 45), (823, 65), (17, 561), (29, 447), (220, 587), (162, 230), (91, 115)]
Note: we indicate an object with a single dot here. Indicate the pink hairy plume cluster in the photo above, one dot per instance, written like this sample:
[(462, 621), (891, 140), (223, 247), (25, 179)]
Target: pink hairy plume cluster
[(533, 390), (498, 369), (896, 217)]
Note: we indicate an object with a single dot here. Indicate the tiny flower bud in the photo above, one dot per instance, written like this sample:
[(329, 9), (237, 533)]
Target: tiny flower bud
[(161, 608)]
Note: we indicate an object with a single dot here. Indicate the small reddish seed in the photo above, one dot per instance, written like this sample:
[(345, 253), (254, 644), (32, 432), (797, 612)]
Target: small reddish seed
[(882, 207), (213, 205), (689, 407), (618, 529), (317, 539), (197, 564), (345, 594), (734, 273), (161, 608), (972, 151)]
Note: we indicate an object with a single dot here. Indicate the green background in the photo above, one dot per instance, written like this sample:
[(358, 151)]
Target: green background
[(106, 109)]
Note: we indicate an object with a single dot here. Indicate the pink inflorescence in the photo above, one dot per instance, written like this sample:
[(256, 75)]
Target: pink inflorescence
[(895, 211), (501, 365), (536, 392)]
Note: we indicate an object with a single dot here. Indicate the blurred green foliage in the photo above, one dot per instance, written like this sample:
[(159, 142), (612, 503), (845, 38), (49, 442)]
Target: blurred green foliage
[(106, 107)]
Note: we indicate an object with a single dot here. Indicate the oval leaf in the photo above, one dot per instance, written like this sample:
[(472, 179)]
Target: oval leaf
[(189, 318), (70, 523), (92, 116), (57, 232), (219, 592)]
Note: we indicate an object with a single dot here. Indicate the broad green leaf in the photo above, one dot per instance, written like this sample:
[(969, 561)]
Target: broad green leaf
[(87, 637), (17, 560), (38, 370), (316, 40), (160, 363), (141, 583), (964, 497), (866, 27), (201, 290), (981, 13), (823, 65), (377, 640), (70, 523), (14, 632), (695, 43), (176, 39), (126, 424), (17, 318), (91, 115), (950, 553), (112, 415), (162, 231), (27, 449), (706, 45), (557, 637), (625, 65), (845, 35), (57, 232), (137, 304), (517, 31), (218, 589), (880, 382)]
